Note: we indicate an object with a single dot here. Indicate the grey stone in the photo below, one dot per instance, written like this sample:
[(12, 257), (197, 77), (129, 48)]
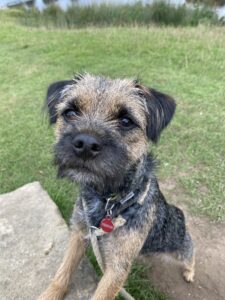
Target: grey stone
[(33, 238)]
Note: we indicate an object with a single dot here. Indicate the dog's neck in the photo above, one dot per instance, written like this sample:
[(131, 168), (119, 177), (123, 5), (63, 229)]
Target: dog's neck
[(136, 178)]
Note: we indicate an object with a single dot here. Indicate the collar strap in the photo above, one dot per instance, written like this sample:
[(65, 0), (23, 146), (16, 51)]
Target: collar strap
[(118, 206)]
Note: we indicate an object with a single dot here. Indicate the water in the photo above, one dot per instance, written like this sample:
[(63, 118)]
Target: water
[(65, 3), (220, 11)]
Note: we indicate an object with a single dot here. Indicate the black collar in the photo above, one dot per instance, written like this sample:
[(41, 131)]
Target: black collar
[(115, 206)]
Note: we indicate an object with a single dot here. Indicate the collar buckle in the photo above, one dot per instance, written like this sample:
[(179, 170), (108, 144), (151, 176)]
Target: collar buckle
[(127, 198), (121, 203)]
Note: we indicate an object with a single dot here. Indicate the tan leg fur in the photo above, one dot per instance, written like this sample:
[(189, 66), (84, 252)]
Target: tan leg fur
[(189, 269), (110, 285)]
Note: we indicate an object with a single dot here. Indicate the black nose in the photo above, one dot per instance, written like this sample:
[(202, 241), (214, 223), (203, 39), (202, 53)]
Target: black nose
[(86, 146)]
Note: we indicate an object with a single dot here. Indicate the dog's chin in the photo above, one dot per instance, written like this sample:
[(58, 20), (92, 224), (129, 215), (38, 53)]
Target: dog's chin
[(80, 175), (86, 177)]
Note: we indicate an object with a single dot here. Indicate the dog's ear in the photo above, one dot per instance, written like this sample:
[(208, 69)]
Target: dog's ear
[(160, 110), (54, 96)]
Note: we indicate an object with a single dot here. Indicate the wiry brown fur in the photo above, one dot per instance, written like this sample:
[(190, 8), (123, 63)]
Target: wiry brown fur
[(117, 163), (100, 102)]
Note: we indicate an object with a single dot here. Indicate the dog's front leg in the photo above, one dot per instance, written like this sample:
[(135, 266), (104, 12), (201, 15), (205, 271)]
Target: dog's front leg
[(74, 253), (119, 252), (110, 284)]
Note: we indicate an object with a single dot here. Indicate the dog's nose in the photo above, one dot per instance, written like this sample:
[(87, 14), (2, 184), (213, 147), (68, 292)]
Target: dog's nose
[(86, 146)]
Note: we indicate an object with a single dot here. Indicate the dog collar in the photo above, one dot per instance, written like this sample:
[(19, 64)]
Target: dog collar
[(115, 207)]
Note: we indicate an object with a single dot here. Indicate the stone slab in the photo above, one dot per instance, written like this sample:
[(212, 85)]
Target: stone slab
[(33, 238)]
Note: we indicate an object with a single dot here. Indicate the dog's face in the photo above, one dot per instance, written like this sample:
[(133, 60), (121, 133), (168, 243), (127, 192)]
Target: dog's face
[(103, 126)]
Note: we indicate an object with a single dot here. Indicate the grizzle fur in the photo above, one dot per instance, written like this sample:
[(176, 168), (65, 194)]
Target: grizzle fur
[(123, 165)]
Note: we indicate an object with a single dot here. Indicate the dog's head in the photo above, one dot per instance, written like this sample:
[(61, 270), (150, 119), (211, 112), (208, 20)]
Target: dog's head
[(103, 126)]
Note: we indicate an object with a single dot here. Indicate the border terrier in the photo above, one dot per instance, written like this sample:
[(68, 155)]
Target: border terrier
[(103, 127)]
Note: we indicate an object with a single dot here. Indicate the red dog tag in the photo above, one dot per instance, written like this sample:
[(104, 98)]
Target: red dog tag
[(107, 224)]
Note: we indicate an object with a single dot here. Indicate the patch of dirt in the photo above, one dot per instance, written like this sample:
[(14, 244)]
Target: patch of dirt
[(209, 240)]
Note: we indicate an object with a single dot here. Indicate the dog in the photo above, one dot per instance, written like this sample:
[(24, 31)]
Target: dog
[(103, 128)]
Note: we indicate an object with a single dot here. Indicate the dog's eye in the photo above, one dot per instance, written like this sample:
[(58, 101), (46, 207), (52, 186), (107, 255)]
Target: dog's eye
[(70, 114), (126, 122)]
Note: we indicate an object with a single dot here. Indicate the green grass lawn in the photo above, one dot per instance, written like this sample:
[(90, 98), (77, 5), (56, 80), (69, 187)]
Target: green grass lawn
[(188, 63)]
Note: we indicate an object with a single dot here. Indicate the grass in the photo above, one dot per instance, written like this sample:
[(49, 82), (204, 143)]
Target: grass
[(159, 12), (187, 63)]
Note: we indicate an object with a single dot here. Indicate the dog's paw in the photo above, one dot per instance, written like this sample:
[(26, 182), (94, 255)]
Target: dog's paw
[(189, 275)]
